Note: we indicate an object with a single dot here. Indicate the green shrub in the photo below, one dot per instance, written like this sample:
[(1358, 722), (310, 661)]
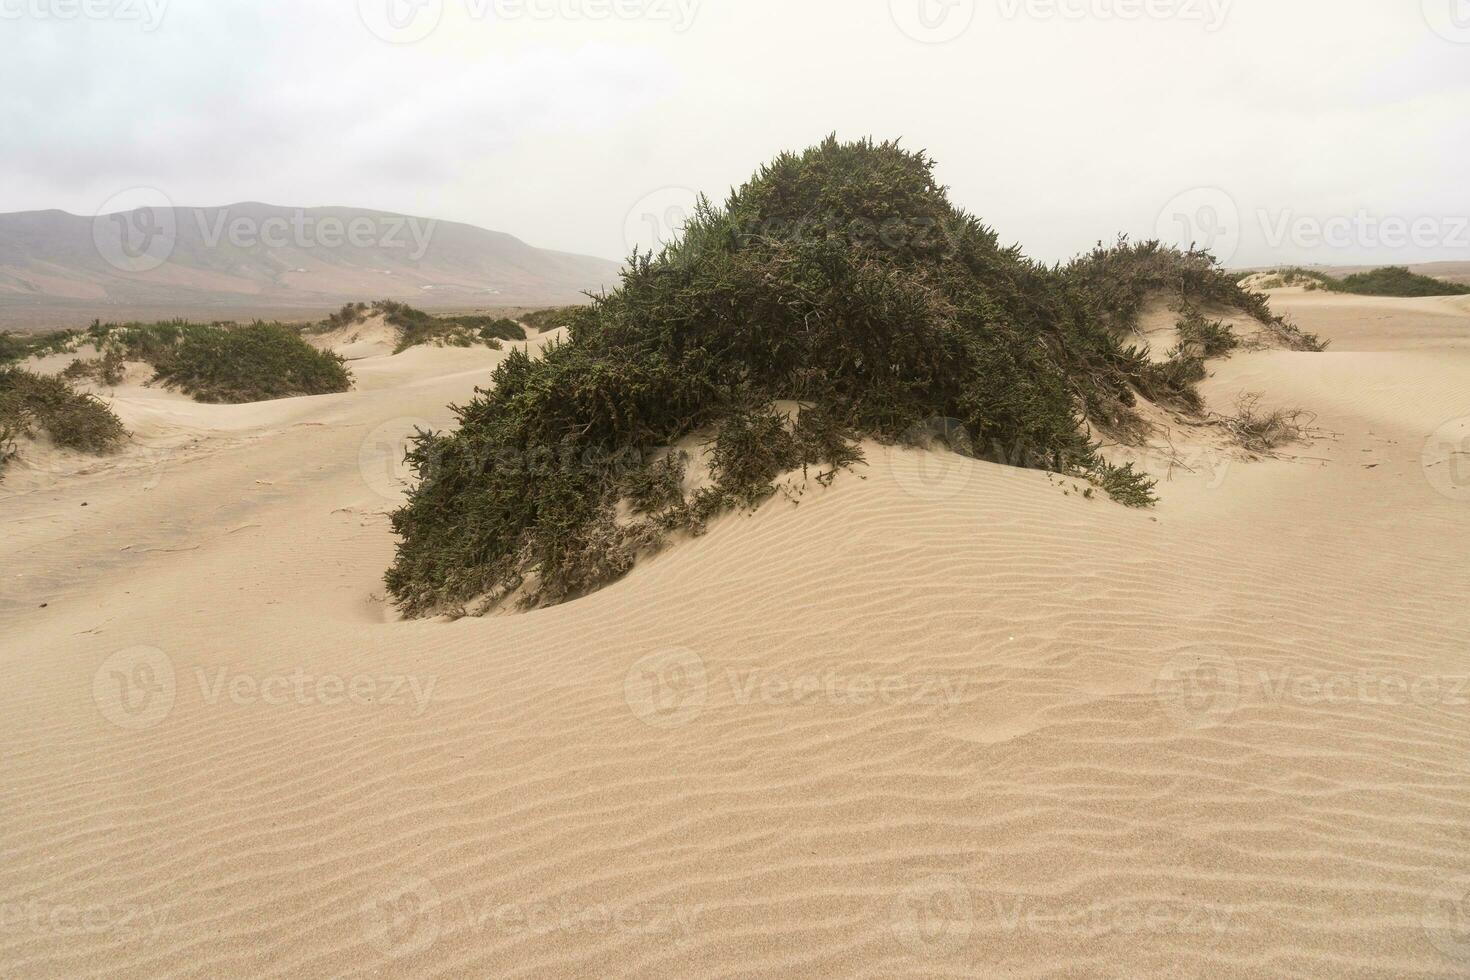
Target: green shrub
[(73, 420), (107, 369), (418, 327), (1397, 281), (18, 347), (549, 319), (351, 313), (1121, 279), (258, 362), (841, 278), (1387, 281), (1204, 338)]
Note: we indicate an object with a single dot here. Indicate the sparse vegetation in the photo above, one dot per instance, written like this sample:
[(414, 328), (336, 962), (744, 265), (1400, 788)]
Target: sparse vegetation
[(1262, 431), (17, 347), (417, 328), (841, 279), (72, 419), (348, 315), (106, 370), (1387, 281)]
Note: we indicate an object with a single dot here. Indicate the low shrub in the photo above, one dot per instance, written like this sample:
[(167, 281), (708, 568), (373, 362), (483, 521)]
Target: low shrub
[(549, 319), (1388, 281), (418, 328), (1121, 279), (1262, 431), (258, 362), (73, 420), (106, 370), (1397, 281), (1202, 337), (17, 347)]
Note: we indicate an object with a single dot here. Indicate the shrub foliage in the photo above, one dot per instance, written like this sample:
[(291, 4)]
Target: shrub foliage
[(841, 279), (74, 420), (251, 363), (1390, 280)]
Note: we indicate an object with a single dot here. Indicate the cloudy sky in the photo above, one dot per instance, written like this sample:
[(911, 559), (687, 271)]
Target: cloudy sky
[(1329, 131)]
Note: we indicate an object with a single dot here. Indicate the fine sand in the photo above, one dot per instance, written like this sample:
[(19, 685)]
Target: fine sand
[(945, 718)]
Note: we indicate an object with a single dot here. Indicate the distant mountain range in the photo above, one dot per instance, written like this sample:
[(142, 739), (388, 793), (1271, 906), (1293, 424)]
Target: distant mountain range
[(248, 260)]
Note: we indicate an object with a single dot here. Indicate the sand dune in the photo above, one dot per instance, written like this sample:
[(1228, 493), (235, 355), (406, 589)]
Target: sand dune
[(945, 718)]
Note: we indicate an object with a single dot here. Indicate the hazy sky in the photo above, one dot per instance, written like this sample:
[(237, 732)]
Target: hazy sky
[(1276, 130)]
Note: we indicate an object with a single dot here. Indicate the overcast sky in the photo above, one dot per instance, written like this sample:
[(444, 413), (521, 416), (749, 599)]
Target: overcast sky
[(1254, 125)]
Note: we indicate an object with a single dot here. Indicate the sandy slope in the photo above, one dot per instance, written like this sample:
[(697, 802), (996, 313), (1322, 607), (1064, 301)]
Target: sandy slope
[(947, 719)]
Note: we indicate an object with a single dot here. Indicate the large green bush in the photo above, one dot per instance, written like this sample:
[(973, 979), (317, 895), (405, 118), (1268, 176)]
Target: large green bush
[(251, 363), (841, 279)]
